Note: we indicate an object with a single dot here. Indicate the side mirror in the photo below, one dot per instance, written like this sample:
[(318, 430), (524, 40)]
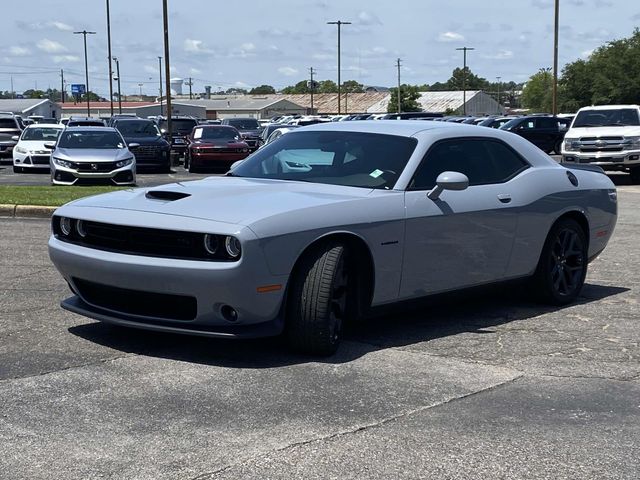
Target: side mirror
[(235, 164), (133, 145), (50, 145), (15, 138), (449, 181)]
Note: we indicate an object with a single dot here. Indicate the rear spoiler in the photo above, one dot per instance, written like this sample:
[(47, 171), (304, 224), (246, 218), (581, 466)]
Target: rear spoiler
[(582, 166)]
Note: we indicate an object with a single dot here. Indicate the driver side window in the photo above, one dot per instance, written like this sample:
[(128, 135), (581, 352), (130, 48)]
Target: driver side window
[(483, 161)]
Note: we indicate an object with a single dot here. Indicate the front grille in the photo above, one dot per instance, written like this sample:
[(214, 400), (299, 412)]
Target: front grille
[(601, 149), (219, 150), (96, 166), (150, 242), (148, 152), (601, 144), (40, 159), (137, 302)]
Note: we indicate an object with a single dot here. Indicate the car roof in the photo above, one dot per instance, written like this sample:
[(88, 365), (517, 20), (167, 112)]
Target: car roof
[(45, 125), (90, 129), (609, 107), (406, 128)]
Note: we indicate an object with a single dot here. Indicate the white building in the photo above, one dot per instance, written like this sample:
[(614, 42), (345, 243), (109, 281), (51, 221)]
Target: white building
[(25, 107)]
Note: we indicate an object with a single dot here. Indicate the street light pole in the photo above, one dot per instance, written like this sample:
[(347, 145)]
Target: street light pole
[(84, 33), (399, 97), (498, 78), (167, 67), (464, 78), (119, 91), (109, 57), (160, 71), (555, 59), (339, 23)]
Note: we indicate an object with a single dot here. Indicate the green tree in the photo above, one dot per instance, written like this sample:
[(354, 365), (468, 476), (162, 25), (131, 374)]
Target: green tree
[(301, 87), (262, 90), (92, 97), (31, 93), (537, 92), (327, 86), (409, 95), (471, 80), (235, 91), (351, 86)]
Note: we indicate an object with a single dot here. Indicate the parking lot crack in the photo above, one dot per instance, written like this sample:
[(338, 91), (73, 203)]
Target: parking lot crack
[(356, 429)]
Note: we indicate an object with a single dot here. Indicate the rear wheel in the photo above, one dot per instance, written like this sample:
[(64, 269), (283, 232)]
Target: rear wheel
[(558, 147), (635, 175), (318, 301), (562, 267)]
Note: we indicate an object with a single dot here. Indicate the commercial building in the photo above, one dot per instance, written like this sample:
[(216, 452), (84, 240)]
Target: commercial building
[(26, 107)]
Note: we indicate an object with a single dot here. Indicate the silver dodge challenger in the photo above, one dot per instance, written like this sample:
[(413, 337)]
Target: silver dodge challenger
[(328, 224)]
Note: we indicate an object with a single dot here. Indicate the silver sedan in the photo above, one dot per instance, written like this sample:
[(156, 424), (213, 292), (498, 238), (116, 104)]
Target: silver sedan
[(331, 223)]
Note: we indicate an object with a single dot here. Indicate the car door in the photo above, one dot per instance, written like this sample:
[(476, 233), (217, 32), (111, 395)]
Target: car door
[(464, 238), (546, 133)]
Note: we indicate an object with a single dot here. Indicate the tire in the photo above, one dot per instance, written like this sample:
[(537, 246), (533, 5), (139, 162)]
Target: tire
[(635, 175), (192, 169), (563, 263), (18, 169), (558, 147), (317, 305)]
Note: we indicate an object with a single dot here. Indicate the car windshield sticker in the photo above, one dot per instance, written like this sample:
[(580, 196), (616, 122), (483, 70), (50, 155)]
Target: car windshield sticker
[(376, 173), (198, 133)]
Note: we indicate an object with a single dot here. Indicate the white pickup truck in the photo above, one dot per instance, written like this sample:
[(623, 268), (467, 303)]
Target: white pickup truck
[(608, 136)]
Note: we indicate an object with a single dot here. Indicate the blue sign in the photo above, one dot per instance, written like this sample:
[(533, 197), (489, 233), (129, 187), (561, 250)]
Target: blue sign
[(78, 89)]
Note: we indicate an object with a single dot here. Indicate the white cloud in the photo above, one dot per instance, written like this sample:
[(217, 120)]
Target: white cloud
[(500, 55), (288, 71), (50, 46), (366, 18), (66, 59), (323, 56), (60, 26), (240, 84), (16, 51), (450, 37), (587, 53), (247, 47), (194, 71), (150, 69), (195, 46)]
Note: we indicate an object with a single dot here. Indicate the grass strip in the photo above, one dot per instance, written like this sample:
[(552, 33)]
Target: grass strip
[(52, 196)]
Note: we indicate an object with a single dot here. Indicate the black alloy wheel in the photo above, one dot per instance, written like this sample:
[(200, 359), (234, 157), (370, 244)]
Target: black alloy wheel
[(563, 264)]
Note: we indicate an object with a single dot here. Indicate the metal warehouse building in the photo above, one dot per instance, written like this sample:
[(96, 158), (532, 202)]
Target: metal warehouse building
[(31, 106), (478, 103), (248, 106), (141, 109)]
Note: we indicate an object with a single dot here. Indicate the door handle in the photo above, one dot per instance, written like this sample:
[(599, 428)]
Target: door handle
[(504, 197)]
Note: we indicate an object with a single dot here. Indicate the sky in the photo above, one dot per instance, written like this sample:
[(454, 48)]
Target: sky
[(254, 42)]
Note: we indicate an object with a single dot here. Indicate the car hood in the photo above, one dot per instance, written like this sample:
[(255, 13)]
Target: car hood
[(250, 133), (630, 131), (35, 145), (92, 155), (219, 143), (231, 200), (146, 140)]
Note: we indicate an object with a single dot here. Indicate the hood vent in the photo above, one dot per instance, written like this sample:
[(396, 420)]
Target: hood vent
[(167, 196)]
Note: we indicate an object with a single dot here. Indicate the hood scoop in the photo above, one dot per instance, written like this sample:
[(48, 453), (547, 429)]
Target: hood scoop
[(167, 196)]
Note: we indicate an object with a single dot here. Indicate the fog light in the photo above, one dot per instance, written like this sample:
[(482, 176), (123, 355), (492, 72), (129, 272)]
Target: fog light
[(232, 245), (211, 244), (229, 313), (65, 226), (634, 157), (80, 228)]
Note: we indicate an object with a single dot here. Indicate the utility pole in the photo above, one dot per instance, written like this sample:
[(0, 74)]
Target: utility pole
[(339, 23), (84, 33), (62, 85), (311, 87), (109, 57), (498, 78), (115, 59), (464, 79), (167, 71), (12, 94), (190, 83), (555, 59), (399, 98), (160, 71)]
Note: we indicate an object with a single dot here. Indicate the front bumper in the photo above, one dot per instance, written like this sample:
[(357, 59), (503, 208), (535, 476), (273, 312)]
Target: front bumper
[(36, 161), (68, 176), (216, 159), (213, 285), (6, 149), (606, 160)]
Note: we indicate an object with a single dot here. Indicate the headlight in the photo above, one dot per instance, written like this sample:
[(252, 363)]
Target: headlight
[(632, 142), (571, 144), (81, 229), (232, 245), (65, 226), (21, 150), (64, 163), (211, 244), (124, 163)]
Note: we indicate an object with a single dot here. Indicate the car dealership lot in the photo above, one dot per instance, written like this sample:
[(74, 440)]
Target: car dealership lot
[(490, 387)]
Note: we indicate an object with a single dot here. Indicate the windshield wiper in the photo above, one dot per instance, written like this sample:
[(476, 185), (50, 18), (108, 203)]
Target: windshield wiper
[(587, 125), (619, 125)]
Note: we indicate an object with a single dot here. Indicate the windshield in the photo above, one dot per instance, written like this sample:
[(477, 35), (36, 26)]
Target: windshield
[(182, 126), (45, 134), (367, 160), (244, 123), (510, 124), (607, 118), (138, 128), (99, 139), (8, 123), (216, 133)]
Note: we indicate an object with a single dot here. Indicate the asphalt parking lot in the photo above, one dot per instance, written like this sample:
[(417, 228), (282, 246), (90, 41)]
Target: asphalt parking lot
[(490, 386)]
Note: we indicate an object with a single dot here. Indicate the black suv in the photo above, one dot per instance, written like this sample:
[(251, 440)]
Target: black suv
[(9, 128), (154, 150), (249, 128), (545, 132), (181, 128)]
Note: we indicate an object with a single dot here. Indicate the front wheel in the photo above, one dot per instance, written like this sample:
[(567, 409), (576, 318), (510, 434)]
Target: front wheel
[(318, 301), (562, 267), (558, 147), (635, 175), (18, 169)]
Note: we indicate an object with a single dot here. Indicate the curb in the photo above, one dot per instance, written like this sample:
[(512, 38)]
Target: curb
[(26, 211)]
